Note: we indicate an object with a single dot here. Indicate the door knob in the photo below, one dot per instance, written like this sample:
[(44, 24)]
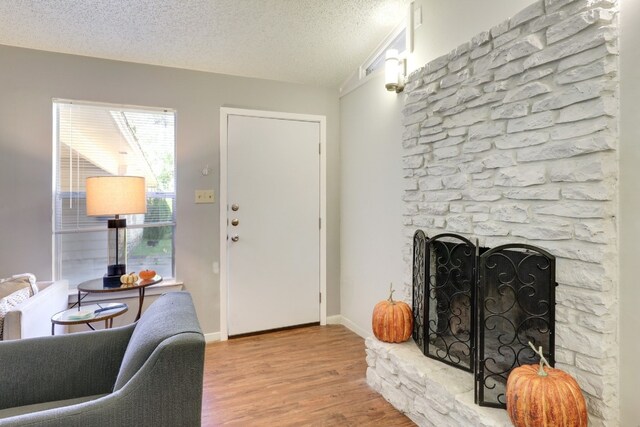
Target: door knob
[(235, 222), (235, 207), (235, 238)]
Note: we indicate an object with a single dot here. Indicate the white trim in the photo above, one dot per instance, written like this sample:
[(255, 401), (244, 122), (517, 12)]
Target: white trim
[(355, 328), (224, 301), (126, 107), (354, 82), (339, 319), (410, 28), (323, 215), (225, 112), (54, 168), (212, 337), (334, 320)]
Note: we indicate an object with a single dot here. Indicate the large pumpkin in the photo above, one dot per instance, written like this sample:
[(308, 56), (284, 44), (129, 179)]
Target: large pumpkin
[(392, 321), (544, 397)]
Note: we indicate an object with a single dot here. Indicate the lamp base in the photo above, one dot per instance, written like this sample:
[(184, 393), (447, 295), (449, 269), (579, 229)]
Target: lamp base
[(116, 270), (111, 281), (112, 278)]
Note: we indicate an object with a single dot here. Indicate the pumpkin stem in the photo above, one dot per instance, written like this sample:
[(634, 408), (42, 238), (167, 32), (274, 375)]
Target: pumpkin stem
[(391, 291), (543, 360)]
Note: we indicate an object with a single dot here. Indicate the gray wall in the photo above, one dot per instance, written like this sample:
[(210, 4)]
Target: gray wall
[(371, 201), (29, 80)]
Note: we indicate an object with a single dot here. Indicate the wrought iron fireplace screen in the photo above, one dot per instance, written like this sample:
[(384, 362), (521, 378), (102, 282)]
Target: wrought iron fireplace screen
[(419, 247), (450, 309), (477, 308)]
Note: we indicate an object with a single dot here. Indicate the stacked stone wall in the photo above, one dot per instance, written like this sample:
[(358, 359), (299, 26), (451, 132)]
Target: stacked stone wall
[(512, 137)]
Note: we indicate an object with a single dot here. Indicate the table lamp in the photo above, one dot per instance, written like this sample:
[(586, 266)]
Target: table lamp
[(116, 195)]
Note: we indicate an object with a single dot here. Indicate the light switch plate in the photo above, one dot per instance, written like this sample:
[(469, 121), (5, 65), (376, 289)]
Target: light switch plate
[(204, 196)]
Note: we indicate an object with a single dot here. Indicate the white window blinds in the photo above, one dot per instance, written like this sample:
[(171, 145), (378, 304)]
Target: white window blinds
[(101, 140)]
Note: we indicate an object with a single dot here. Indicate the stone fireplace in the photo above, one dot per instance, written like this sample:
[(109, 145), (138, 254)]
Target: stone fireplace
[(512, 138)]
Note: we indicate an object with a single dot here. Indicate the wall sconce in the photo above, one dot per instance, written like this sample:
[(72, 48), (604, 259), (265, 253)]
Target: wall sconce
[(394, 71)]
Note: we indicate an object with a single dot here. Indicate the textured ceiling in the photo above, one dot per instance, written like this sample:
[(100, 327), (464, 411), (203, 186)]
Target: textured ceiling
[(318, 42)]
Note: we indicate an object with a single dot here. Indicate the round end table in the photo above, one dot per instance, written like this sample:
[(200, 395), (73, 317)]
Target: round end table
[(89, 314), (97, 286)]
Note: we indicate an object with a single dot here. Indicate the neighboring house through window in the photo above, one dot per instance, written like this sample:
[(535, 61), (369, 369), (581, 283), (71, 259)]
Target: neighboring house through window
[(100, 140)]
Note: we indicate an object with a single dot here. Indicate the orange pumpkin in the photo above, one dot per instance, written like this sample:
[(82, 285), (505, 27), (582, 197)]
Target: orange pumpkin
[(392, 321), (147, 274), (544, 397)]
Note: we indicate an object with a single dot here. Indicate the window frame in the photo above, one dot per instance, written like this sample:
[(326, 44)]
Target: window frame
[(360, 77), (56, 146)]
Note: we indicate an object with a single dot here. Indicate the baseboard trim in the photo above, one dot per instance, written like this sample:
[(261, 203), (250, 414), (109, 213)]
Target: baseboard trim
[(341, 320), (212, 337), (336, 319)]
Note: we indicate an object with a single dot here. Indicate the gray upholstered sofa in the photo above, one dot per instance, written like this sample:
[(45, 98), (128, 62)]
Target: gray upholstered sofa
[(146, 374)]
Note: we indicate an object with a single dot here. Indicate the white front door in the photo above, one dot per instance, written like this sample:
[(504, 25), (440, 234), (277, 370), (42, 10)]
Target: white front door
[(273, 213)]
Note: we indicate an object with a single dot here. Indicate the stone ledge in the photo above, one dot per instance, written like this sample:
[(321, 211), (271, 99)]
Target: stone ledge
[(429, 392)]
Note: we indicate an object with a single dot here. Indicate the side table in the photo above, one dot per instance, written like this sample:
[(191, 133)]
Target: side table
[(97, 286), (89, 314)]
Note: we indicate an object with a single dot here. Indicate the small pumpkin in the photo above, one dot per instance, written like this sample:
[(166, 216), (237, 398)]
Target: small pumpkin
[(147, 274), (128, 280), (392, 321), (544, 397)]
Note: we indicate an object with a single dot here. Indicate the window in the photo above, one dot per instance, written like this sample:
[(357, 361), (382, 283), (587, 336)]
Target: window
[(399, 43), (100, 139), (399, 39)]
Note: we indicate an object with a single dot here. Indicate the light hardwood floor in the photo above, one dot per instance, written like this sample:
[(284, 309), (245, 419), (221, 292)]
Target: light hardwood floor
[(312, 376)]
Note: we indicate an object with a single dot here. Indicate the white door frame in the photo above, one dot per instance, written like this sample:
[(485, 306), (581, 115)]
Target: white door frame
[(321, 120)]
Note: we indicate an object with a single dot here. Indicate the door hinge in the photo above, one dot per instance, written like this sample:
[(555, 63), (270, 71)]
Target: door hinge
[(319, 148), (320, 299), (320, 223)]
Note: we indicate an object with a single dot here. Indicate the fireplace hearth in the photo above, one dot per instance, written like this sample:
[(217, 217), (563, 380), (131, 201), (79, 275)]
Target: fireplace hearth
[(478, 308)]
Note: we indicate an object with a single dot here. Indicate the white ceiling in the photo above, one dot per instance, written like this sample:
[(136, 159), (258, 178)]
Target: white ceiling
[(318, 42)]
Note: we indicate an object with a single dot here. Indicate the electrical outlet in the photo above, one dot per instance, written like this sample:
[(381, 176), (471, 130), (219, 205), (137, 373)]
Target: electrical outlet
[(204, 196)]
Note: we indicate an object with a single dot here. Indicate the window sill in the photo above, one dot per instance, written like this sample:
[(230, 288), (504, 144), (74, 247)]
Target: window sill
[(168, 285)]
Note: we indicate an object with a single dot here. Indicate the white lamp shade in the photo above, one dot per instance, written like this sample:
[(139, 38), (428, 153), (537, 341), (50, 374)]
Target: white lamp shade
[(391, 69), (116, 195)]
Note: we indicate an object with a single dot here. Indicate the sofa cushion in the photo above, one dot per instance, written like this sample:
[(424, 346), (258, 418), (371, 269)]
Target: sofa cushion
[(171, 314), (17, 282), (36, 407), (11, 301)]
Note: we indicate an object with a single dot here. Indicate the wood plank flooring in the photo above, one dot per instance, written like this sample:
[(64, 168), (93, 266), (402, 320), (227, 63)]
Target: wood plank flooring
[(312, 376)]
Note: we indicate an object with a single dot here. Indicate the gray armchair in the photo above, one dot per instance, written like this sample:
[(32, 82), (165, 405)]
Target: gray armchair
[(146, 374)]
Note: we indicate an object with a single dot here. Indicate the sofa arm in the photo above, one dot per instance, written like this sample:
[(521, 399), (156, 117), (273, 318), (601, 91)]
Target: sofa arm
[(63, 367), (166, 392), (32, 318)]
